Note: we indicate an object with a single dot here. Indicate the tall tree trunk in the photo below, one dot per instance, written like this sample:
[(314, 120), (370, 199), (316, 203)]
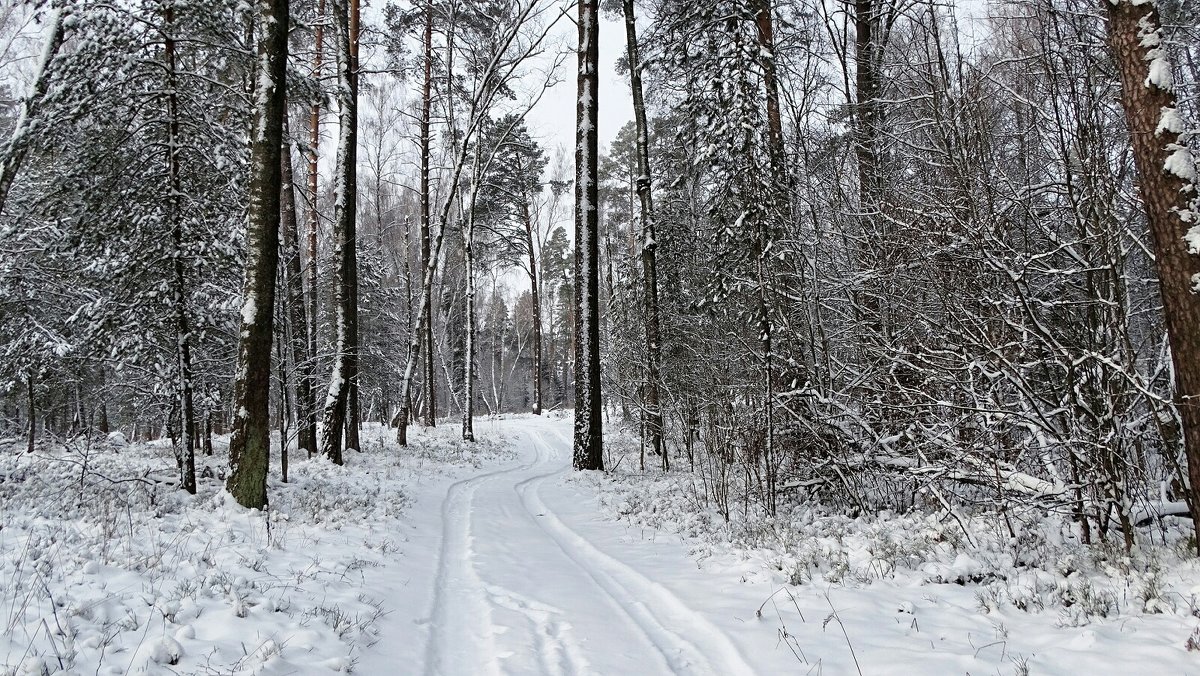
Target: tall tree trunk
[(535, 298), (779, 209), (344, 239), (425, 141), (530, 243), (765, 24), (12, 154), (314, 141), (187, 451), (1167, 175), (29, 390), (589, 443), (422, 338), (468, 409), (353, 407), (250, 438), (302, 363), (285, 404), (651, 402), (866, 109)]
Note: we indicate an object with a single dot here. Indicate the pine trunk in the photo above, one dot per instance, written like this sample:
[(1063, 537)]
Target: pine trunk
[(589, 449), (651, 402), (427, 317), (536, 374), (314, 141), (250, 438), (32, 438), (1167, 177), (353, 407)]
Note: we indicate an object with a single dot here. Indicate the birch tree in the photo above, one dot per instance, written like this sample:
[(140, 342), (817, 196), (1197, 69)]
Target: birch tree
[(337, 400)]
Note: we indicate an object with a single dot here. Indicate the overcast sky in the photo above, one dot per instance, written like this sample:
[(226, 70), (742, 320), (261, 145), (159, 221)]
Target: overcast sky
[(553, 120)]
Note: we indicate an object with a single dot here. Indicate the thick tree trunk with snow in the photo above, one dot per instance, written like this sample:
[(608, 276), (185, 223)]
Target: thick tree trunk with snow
[(337, 399), (589, 450), (305, 404), (1167, 178), (250, 438), (651, 401)]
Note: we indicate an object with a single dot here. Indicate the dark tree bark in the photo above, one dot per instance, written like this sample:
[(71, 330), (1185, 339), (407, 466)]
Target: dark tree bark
[(425, 142), (589, 443), (337, 399), (1167, 175), (187, 449), (422, 340), (297, 336), (250, 438), (651, 400), (535, 297), (866, 111), (314, 141), (285, 404), (32, 438), (353, 407), (779, 209), (765, 24)]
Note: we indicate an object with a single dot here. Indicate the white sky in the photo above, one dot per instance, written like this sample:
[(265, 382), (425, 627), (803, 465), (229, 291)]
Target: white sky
[(553, 120)]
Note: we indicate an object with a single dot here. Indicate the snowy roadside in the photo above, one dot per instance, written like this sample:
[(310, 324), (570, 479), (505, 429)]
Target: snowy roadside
[(910, 594), (106, 568)]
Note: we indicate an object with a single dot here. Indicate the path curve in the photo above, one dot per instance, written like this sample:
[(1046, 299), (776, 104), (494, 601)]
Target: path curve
[(519, 591)]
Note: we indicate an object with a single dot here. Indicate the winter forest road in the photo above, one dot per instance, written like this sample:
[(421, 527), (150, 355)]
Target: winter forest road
[(526, 579)]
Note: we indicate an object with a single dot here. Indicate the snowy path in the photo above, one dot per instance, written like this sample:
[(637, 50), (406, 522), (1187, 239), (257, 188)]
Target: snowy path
[(516, 589)]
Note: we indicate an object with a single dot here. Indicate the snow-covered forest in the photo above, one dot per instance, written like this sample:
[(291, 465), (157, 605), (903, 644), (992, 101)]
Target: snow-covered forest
[(341, 335)]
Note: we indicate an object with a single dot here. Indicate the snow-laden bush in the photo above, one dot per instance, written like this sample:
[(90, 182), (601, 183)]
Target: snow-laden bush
[(106, 567), (1037, 566)]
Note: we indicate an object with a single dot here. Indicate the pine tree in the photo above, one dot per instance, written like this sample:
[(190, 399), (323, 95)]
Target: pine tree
[(250, 436), (589, 449), (1167, 176)]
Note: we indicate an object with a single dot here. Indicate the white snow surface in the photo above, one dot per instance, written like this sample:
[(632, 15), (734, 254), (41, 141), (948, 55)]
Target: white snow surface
[(495, 558)]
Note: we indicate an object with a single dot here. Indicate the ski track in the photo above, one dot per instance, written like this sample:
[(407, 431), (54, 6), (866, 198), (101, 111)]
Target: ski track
[(463, 608), (649, 605), (460, 613)]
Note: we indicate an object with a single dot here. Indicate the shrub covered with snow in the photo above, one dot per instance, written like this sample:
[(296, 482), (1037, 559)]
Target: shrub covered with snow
[(1033, 562), (106, 567)]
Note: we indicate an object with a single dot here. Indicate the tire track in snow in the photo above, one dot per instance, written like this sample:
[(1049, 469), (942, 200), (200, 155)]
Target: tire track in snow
[(659, 615), (460, 634)]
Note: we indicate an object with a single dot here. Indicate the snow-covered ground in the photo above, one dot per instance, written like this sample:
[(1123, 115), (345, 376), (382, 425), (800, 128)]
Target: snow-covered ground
[(455, 559)]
